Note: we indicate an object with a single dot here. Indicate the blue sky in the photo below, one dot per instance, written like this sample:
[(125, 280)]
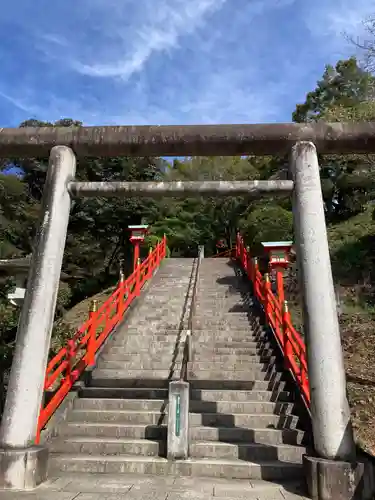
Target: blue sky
[(168, 61)]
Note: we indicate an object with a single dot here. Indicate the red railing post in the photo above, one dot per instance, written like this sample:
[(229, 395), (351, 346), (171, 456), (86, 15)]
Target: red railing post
[(150, 264), (266, 291), (137, 289), (157, 252), (70, 355), (288, 349), (91, 343), (280, 287), (121, 298), (255, 269)]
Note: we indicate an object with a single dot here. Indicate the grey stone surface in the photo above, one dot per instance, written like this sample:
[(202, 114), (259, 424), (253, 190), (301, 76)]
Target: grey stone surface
[(23, 469), (178, 421), (130, 487), (338, 480)]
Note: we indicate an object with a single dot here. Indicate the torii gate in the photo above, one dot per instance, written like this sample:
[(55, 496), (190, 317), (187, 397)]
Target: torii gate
[(23, 463)]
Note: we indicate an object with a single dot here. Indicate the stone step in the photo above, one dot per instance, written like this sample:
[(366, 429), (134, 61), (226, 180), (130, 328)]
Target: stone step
[(230, 347), (124, 393), (249, 452), (210, 294), (164, 324), (162, 290), (162, 297), (266, 436), (210, 351), (121, 350), (108, 404), (246, 408), (161, 378), (240, 385), (153, 363), (123, 464), (133, 378), (243, 333), (134, 357), (129, 332), (224, 326), (223, 313), (229, 407), (222, 304), (235, 344), (235, 366), (196, 394), (251, 372), (109, 446), (234, 358), (157, 318), (195, 419), (243, 420), (120, 416), (114, 430), (226, 337), (219, 316), (215, 395), (233, 335), (143, 342)]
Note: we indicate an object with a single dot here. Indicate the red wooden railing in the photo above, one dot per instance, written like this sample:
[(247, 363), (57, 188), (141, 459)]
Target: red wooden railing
[(69, 363), (277, 317)]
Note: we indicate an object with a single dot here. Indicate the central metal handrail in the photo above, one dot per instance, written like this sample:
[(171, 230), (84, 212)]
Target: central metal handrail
[(187, 354)]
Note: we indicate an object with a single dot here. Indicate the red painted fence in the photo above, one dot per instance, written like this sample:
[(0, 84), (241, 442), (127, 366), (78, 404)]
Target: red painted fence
[(70, 362), (277, 317)]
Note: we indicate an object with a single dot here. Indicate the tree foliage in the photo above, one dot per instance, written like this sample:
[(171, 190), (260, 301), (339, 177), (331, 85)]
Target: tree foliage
[(346, 84)]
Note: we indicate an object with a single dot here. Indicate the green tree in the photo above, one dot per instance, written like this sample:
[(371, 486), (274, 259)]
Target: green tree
[(346, 84)]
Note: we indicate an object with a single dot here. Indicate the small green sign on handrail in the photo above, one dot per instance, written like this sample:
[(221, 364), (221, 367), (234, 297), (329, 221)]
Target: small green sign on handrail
[(178, 415)]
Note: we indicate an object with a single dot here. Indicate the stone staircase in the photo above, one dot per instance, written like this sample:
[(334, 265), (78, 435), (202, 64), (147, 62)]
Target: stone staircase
[(118, 424), (242, 421)]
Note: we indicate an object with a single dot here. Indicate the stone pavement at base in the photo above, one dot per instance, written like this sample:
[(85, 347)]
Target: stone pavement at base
[(106, 487)]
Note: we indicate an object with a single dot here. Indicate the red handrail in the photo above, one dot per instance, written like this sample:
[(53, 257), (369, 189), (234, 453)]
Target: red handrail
[(79, 352), (278, 318)]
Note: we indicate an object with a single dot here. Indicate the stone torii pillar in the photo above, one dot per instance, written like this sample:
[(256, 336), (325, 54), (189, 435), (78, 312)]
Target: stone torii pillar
[(22, 464), (335, 472)]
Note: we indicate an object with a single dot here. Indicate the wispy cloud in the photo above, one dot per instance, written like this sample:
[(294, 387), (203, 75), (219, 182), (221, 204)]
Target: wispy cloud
[(169, 61), (159, 31)]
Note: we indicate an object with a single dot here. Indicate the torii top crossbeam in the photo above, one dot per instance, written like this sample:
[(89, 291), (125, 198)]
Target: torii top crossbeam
[(188, 140)]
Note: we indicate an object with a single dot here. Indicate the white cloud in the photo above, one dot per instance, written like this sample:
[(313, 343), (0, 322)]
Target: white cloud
[(130, 47)]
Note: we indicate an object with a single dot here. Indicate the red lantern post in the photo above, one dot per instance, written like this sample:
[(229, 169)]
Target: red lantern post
[(137, 237), (278, 260)]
